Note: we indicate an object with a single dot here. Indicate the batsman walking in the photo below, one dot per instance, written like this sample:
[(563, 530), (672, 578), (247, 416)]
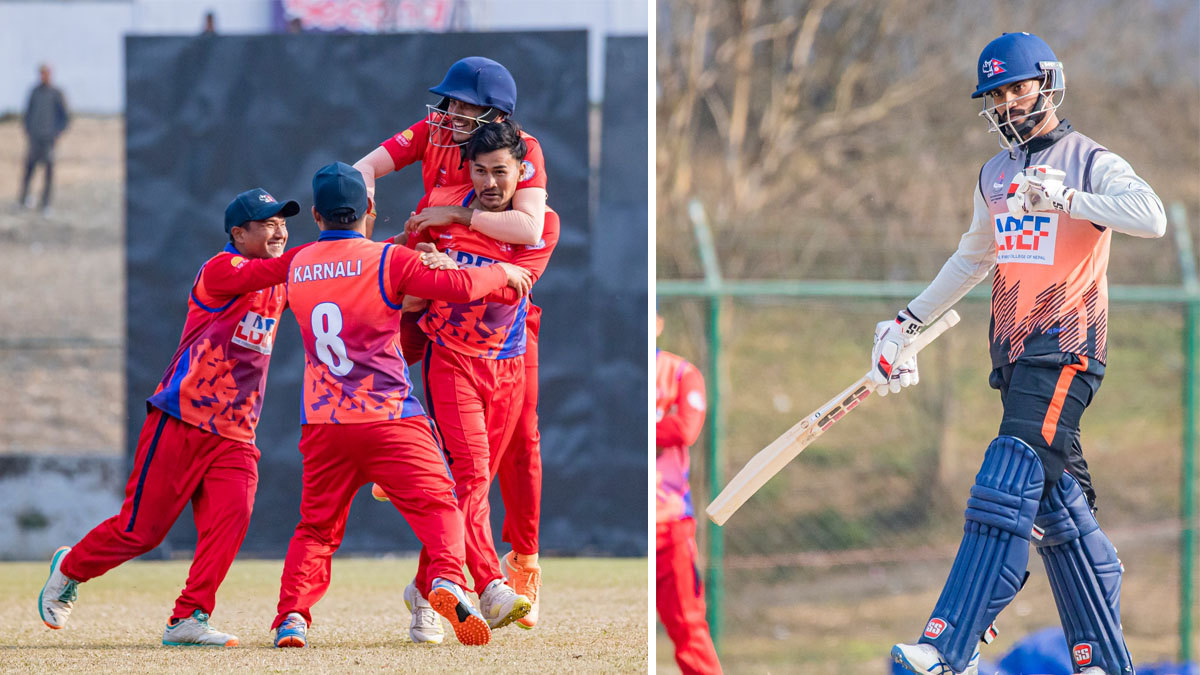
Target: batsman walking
[(1045, 209)]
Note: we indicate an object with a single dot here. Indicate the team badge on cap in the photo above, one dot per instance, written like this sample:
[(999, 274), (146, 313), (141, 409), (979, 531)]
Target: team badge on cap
[(993, 67)]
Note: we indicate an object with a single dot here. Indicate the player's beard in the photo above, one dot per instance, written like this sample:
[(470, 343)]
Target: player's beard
[(1025, 128)]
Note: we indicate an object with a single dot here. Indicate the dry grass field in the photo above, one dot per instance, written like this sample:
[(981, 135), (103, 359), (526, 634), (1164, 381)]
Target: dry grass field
[(593, 621)]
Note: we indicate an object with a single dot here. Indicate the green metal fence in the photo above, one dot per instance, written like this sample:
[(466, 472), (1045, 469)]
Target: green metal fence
[(716, 292)]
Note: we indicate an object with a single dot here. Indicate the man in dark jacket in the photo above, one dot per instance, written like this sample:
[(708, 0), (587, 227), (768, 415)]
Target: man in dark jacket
[(45, 120)]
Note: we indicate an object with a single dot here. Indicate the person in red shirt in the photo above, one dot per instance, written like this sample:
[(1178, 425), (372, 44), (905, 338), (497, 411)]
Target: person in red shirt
[(477, 90), (473, 365), (679, 407), (361, 422), (197, 444)]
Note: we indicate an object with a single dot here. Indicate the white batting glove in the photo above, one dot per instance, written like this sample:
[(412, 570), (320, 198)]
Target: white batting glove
[(890, 338), (1040, 188)]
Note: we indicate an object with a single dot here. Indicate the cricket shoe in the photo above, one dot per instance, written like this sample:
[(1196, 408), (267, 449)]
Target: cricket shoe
[(501, 605), (426, 625), (194, 631), (526, 579), (58, 594), (293, 632), (448, 599), (925, 659)]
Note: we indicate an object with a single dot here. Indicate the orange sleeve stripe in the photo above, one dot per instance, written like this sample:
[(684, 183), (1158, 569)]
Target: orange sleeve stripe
[(1050, 424)]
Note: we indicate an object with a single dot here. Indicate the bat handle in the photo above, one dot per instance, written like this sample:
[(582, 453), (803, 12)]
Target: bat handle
[(931, 333)]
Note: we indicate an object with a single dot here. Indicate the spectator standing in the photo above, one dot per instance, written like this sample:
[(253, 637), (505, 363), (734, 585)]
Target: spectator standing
[(45, 120)]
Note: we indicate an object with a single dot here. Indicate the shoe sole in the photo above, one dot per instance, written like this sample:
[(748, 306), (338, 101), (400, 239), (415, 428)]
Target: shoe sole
[(291, 641), (898, 657), (519, 610), (469, 628), (231, 643), (62, 550)]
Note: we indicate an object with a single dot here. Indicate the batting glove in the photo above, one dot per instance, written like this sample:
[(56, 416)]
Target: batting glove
[(1040, 188), (890, 338)]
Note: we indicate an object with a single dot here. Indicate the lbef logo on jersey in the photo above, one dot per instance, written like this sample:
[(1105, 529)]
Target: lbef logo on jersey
[(404, 137), (255, 332), (465, 259), (1082, 653), (1029, 238), (993, 67), (934, 628)]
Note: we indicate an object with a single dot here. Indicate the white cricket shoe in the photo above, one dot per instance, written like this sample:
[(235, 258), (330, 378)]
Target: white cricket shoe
[(194, 631), (58, 594), (426, 625), (451, 601), (501, 605), (925, 659)]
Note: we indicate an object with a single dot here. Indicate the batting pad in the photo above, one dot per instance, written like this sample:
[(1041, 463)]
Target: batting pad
[(1085, 576), (990, 566)]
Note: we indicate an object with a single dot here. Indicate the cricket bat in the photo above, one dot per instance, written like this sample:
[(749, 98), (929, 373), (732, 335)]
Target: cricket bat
[(771, 459)]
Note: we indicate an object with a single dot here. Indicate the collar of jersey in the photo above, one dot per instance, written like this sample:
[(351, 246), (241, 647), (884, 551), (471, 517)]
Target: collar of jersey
[(230, 248), (1048, 139), (328, 235)]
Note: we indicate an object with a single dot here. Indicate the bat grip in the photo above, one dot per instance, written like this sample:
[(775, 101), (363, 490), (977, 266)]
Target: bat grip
[(931, 333)]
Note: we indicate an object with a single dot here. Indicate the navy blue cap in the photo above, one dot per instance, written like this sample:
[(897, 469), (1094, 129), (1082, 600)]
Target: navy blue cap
[(256, 204), (339, 193)]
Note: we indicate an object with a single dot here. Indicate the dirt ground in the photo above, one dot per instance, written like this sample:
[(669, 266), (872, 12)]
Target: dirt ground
[(62, 275)]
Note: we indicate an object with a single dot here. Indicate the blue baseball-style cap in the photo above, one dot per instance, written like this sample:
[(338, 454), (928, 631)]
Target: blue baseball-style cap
[(256, 204), (339, 193)]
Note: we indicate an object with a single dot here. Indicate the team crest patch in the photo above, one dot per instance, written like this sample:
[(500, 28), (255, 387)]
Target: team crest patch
[(934, 628), (1082, 653), (527, 171), (266, 199), (1028, 238), (993, 67), (237, 261), (404, 137)]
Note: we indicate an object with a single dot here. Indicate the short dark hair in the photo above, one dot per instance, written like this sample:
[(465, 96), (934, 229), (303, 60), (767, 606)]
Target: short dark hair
[(496, 136)]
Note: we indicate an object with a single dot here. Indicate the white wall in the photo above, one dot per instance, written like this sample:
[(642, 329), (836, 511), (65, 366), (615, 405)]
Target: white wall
[(83, 40)]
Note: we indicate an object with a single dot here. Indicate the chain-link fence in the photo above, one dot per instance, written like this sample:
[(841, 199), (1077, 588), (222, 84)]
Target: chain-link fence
[(844, 552)]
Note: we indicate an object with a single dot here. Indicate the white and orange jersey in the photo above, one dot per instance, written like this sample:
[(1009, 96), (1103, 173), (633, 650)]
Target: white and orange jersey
[(1050, 291)]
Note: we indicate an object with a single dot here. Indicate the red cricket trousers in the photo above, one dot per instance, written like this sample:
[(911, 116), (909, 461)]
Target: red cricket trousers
[(680, 597), (176, 463), (475, 403), (403, 458), (520, 471)]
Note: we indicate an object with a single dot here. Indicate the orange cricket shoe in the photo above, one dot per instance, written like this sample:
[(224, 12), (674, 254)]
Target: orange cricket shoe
[(525, 576)]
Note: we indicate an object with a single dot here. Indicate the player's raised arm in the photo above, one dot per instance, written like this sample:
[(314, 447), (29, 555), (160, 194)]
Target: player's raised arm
[(681, 424)]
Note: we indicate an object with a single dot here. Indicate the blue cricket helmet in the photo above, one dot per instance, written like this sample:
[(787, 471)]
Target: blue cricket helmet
[(1013, 57), (479, 81)]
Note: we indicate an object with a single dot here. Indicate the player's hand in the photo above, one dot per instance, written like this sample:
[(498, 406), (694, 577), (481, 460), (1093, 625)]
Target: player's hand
[(518, 277), (890, 338), (370, 214), (435, 259), (433, 216), (412, 303), (1039, 188)]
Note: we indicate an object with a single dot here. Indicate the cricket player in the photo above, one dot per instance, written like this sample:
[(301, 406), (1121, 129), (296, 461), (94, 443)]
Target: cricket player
[(361, 423), (1045, 210), (679, 407), (197, 444), (473, 365), (474, 91)]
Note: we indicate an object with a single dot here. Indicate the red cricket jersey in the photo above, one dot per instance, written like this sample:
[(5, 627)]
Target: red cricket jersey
[(345, 291), (219, 372), (491, 327), (445, 166), (679, 413)]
